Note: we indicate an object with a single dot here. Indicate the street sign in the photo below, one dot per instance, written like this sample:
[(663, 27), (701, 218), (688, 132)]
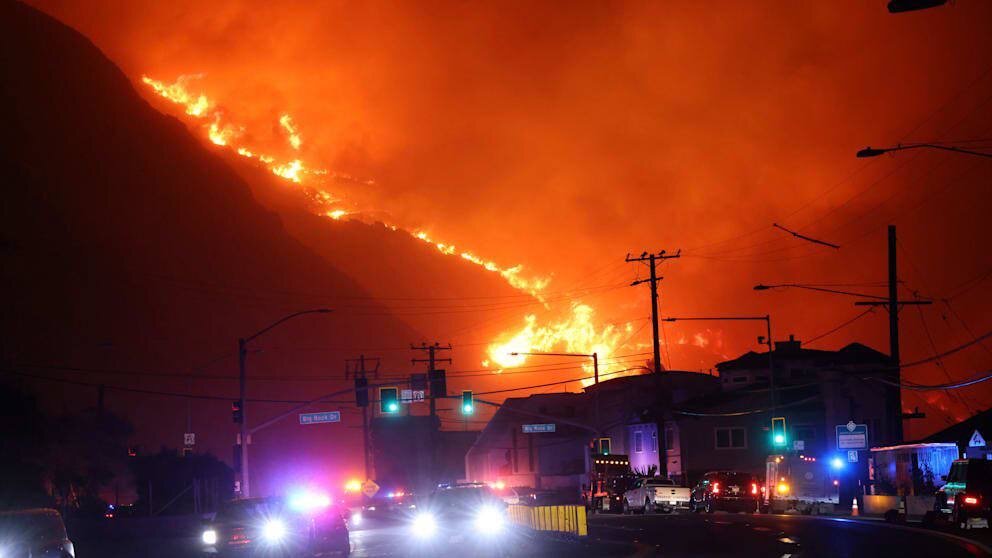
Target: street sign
[(408, 396), (799, 445), (317, 418), (538, 428), (977, 440), (852, 436), (189, 439), (370, 488), (852, 456)]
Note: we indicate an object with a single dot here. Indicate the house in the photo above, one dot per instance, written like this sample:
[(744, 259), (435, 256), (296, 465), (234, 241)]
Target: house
[(971, 435), (814, 391), (617, 416)]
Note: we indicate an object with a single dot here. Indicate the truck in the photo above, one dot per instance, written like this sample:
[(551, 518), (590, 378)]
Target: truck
[(801, 482), (609, 477), (652, 494)]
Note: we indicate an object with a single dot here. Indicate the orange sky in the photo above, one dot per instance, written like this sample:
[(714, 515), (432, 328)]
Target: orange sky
[(563, 136)]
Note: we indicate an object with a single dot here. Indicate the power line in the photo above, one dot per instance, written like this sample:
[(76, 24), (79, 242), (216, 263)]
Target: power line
[(840, 327)]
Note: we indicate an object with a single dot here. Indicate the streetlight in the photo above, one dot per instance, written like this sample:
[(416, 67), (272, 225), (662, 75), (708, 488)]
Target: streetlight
[(763, 287), (899, 6), (876, 151), (243, 392), (595, 371)]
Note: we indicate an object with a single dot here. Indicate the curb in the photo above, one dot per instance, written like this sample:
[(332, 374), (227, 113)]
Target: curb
[(881, 522)]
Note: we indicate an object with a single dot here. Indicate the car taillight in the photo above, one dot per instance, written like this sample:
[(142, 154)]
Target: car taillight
[(754, 488), (716, 488), (970, 500)]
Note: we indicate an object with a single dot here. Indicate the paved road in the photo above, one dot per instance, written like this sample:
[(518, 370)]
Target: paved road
[(722, 534), (702, 535)]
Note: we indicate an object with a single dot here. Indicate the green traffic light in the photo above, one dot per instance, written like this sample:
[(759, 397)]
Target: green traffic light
[(393, 407), (467, 409), (779, 439)]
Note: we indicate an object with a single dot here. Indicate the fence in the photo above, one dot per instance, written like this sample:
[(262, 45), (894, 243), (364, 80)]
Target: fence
[(569, 520)]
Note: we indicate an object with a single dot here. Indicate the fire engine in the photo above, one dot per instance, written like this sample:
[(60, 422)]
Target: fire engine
[(801, 482)]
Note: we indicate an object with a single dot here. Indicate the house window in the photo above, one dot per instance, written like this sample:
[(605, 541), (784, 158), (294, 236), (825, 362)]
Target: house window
[(638, 442), (732, 437), (654, 441), (740, 379)]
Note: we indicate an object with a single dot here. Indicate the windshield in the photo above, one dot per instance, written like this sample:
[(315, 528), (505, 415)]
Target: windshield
[(31, 526), (462, 498), (248, 510)]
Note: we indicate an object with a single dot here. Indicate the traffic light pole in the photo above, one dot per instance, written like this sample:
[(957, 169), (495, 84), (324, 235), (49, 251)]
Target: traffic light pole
[(432, 382)]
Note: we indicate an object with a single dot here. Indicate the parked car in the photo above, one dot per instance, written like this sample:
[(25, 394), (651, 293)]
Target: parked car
[(36, 532), (726, 491), (655, 494), (967, 496)]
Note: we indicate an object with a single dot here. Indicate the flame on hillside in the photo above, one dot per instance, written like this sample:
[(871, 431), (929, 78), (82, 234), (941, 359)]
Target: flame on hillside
[(574, 333)]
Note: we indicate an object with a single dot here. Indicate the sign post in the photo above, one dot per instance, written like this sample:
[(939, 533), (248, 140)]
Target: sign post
[(852, 436)]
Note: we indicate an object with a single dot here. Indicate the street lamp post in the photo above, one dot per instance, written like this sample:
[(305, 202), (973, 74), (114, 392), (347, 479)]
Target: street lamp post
[(876, 151), (243, 391)]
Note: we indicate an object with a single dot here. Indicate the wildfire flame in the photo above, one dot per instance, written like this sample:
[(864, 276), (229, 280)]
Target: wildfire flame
[(574, 333)]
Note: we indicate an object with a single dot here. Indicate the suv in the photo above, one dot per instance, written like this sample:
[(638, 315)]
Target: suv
[(968, 492), (727, 491)]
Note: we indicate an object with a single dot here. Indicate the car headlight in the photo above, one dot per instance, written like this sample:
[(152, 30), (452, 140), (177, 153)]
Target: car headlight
[(424, 524), (489, 520), (274, 530), (209, 537)]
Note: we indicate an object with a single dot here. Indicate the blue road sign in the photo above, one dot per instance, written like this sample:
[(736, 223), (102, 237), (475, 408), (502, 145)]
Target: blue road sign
[(316, 418), (538, 428), (852, 436)]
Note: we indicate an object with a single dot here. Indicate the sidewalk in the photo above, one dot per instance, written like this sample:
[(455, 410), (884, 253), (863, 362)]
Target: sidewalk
[(982, 537)]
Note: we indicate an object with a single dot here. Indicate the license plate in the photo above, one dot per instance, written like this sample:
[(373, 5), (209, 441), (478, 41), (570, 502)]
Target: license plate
[(672, 503), (735, 489)]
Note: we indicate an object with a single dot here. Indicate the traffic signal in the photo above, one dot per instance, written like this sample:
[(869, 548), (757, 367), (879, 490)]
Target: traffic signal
[(779, 436), (468, 406), (361, 392), (389, 400), (439, 383), (236, 413)]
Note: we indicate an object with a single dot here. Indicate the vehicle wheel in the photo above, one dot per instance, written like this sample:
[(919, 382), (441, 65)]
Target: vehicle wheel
[(648, 506), (960, 517)]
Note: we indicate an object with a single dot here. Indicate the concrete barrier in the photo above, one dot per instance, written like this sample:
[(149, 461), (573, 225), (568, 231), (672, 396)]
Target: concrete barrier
[(568, 520), (878, 505)]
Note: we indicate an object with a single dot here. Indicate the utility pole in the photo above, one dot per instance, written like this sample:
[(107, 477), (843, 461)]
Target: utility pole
[(652, 260), (360, 372), (893, 400), (243, 426), (437, 383)]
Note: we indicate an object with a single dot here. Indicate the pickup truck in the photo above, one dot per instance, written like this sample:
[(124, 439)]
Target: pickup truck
[(655, 494)]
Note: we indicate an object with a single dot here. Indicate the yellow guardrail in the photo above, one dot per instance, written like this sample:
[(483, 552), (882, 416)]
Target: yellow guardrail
[(559, 519)]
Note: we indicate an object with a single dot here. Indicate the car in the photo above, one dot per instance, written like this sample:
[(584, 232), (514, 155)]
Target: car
[(655, 494), (966, 499), (726, 491), (277, 527), (34, 532), (471, 517)]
